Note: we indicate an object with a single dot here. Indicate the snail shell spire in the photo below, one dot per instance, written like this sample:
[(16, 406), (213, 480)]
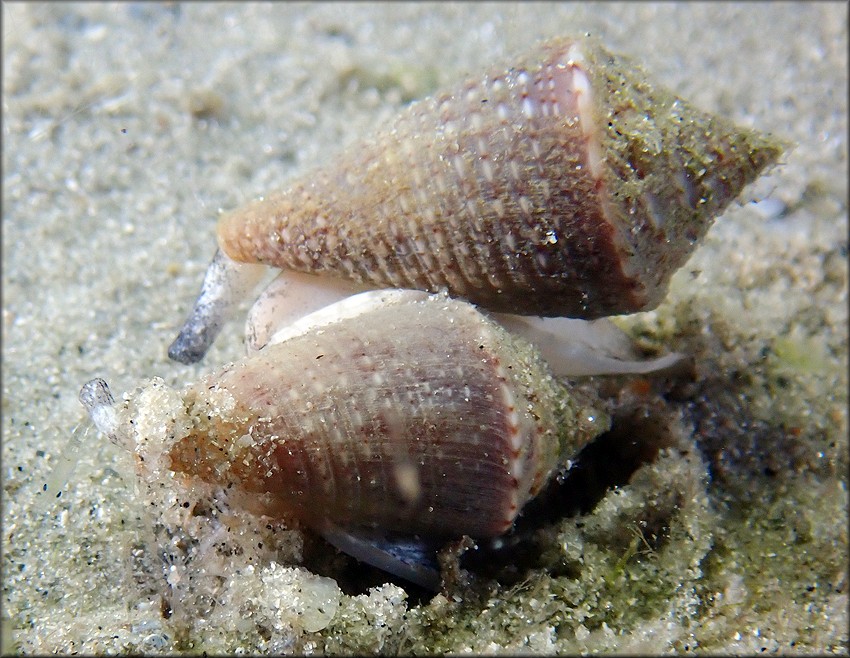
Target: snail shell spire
[(565, 185), (422, 417)]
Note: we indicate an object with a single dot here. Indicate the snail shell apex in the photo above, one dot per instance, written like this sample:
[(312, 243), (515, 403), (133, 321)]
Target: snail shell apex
[(565, 185), (421, 417)]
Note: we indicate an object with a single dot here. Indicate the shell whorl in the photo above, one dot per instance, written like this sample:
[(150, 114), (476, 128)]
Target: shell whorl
[(420, 417), (565, 185)]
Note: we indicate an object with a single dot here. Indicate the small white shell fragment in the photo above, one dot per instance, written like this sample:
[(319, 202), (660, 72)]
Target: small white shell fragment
[(309, 601)]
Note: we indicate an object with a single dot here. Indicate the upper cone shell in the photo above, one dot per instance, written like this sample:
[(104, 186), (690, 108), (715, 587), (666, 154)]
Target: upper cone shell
[(565, 185)]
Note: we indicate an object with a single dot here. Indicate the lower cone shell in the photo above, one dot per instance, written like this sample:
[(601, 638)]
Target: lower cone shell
[(565, 185), (418, 417)]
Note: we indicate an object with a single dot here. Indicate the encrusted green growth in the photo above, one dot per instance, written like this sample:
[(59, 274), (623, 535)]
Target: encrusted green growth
[(618, 569), (776, 557), (577, 412), (670, 167)]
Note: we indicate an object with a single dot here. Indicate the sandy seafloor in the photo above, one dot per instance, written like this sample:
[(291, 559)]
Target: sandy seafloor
[(127, 127)]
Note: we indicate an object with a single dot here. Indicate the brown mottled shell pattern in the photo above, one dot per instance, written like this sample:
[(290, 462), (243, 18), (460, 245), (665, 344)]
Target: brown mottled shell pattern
[(565, 185), (423, 417)]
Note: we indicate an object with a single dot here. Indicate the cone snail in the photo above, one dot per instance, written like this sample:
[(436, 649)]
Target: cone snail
[(435, 281), (389, 410), (565, 185)]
